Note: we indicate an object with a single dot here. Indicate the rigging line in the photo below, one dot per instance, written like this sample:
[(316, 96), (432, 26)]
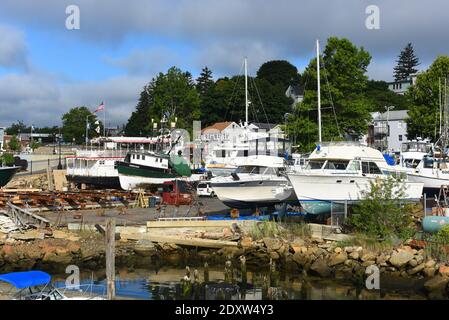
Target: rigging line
[(330, 97), (251, 104), (260, 99), (233, 92)]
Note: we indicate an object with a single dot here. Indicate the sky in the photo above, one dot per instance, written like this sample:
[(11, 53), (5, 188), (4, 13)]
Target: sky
[(46, 69)]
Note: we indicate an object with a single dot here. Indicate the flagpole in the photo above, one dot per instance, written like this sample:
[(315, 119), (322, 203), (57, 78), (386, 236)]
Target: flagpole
[(104, 118)]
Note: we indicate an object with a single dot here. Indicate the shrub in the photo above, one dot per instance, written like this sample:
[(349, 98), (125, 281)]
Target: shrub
[(7, 159), (381, 213)]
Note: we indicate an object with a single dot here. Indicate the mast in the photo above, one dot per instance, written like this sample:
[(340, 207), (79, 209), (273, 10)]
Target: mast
[(319, 88), (439, 97), (246, 92)]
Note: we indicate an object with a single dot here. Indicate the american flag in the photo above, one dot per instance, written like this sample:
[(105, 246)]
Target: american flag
[(100, 107)]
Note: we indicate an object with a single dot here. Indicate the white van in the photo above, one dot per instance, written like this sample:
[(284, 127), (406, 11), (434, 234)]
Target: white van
[(204, 189)]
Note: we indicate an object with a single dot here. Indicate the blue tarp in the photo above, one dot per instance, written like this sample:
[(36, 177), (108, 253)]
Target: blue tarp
[(389, 159), (227, 217), (26, 279)]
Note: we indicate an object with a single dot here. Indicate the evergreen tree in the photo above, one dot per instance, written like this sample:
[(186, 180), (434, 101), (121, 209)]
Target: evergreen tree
[(204, 82), (406, 63)]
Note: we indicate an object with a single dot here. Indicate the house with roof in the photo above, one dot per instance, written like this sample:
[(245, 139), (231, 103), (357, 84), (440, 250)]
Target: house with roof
[(401, 86), (296, 92), (388, 130), (219, 131)]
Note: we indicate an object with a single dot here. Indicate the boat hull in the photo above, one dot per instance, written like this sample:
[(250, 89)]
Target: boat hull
[(432, 185), (341, 187), (6, 174), (103, 182), (248, 194)]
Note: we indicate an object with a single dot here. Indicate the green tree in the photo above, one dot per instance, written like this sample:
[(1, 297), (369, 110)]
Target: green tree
[(345, 107), (423, 117), (74, 125), (14, 144), (204, 83), (17, 127), (279, 72), (406, 63), (380, 96), (170, 95), (381, 214)]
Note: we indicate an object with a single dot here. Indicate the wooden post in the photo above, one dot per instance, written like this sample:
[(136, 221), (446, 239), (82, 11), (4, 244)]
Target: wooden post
[(110, 257)]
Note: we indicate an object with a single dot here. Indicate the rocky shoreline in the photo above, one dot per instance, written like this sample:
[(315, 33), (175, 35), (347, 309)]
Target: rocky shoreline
[(54, 251)]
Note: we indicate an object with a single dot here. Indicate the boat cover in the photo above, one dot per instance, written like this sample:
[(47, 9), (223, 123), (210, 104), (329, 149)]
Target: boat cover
[(26, 279)]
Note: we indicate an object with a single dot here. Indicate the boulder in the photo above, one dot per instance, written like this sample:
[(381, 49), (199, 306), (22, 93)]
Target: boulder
[(354, 255), (272, 244), (430, 264), (413, 263), (444, 271), (246, 242), (381, 259), (349, 249), (274, 255), (417, 269), (337, 259), (369, 256), (400, 258), (145, 248), (437, 283), (429, 272), (300, 259), (368, 263), (320, 268), (338, 250)]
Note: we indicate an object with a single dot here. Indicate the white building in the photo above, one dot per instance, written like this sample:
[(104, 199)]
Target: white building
[(401, 87), (296, 92), (388, 130)]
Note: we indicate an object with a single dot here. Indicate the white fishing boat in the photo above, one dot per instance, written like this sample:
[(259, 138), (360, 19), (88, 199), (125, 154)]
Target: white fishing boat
[(95, 167)]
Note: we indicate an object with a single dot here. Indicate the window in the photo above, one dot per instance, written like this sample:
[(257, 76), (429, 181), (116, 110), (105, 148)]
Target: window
[(400, 137), (138, 156), (245, 153), (315, 164), (143, 157), (354, 166), (370, 168), (336, 165)]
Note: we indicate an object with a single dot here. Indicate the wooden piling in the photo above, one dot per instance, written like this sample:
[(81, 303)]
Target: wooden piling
[(110, 257), (206, 272)]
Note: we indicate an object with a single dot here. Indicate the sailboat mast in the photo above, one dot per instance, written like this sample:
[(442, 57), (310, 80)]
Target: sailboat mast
[(319, 88), (246, 92)]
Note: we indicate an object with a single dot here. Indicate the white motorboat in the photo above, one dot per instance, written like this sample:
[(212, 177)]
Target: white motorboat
[(343, 171), (256, 184)]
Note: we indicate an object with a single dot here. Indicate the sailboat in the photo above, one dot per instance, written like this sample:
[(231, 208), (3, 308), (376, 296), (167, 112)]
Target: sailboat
[(339, 172), (256, 182), (433, 168)]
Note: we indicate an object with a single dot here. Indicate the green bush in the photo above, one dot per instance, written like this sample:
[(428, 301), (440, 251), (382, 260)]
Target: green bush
[(381, 213), (7, 159), (442, 236)]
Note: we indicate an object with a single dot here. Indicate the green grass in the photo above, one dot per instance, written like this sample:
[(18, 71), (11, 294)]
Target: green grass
[(367, 242), (272, 229)]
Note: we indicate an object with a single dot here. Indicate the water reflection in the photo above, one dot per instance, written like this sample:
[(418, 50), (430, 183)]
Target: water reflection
[(167, 284)]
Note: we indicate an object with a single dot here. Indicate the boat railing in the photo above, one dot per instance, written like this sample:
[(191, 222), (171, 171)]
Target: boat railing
[(101, 153), (87, 291)]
